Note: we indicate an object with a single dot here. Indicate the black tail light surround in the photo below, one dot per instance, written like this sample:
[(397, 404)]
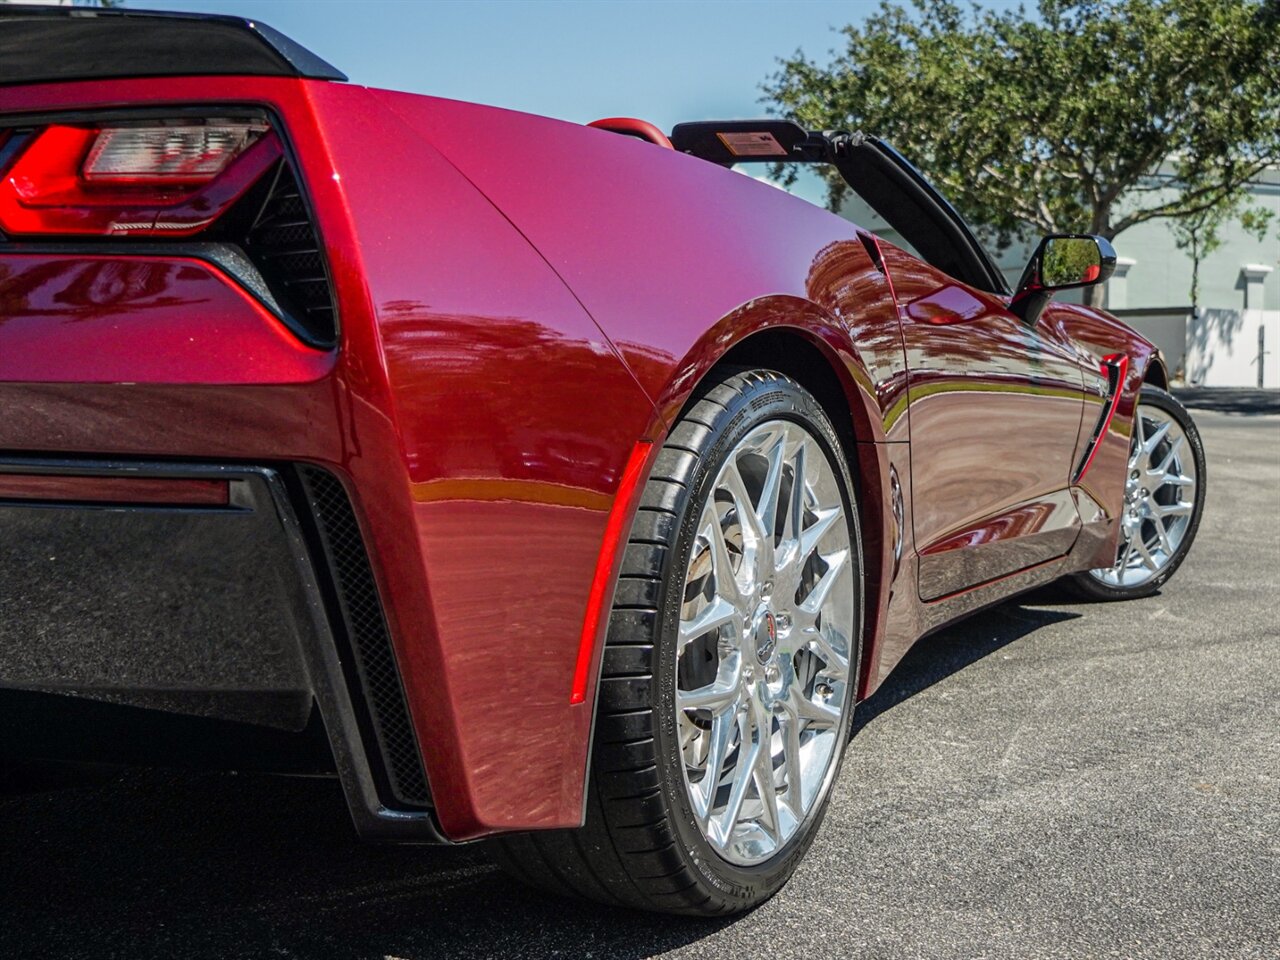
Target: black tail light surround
[(283, 244), (217, 183)]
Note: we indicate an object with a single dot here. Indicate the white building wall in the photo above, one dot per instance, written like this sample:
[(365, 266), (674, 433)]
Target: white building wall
[(1225, 347)]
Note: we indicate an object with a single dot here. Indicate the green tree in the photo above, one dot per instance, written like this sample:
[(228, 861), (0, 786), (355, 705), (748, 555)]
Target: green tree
[(1057, 122)]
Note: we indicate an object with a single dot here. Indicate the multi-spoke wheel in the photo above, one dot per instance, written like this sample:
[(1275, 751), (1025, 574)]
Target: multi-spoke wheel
[(730, 665), (764, 642), (1164, 496)]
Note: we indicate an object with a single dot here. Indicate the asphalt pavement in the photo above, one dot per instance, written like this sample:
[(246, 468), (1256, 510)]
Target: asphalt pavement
[(1044, 780)]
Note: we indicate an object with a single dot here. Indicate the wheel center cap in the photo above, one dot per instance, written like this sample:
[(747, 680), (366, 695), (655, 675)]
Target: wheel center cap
[(766, 635)]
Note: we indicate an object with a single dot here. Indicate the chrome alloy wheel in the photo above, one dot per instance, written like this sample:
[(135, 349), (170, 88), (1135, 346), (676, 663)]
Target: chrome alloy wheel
[(1159, 499), (763, 651)]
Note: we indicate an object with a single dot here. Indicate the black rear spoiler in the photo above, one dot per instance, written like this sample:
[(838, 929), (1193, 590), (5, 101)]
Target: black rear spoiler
[(52, 44)]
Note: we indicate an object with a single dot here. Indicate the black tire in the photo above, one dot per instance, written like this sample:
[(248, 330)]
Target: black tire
[(1085, 585), (640, 847)]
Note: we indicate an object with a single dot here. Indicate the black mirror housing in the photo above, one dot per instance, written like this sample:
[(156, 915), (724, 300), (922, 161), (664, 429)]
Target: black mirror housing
[(1062, 261)]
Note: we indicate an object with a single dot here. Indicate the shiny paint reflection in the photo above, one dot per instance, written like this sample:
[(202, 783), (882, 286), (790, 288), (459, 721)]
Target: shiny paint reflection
[(995, 410), (512, 416), (674, 259), (83, 318)]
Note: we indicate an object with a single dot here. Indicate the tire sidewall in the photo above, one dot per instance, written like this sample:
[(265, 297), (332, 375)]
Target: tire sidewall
[(769, 398)]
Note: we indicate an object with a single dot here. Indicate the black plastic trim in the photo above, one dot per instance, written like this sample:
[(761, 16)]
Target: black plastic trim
[(1114, 386), (996, 280), (359, 610), (40, 44)]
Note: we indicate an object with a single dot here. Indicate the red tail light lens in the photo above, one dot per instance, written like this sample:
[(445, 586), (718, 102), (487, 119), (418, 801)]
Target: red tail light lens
[(153, 179)]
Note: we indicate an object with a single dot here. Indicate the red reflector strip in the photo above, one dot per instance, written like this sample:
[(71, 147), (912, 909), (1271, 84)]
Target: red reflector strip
[(160, 491), (1116, 367), (603, 579)]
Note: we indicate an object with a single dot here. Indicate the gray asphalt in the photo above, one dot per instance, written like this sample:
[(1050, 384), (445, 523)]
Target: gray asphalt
[(1045, 780)]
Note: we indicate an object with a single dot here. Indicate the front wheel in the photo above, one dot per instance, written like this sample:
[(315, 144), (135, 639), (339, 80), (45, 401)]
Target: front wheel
[(1164, 498), (730, 666)]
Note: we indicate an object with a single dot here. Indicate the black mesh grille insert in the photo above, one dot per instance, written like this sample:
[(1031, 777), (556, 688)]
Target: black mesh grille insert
[(369, 639), (283, 244)]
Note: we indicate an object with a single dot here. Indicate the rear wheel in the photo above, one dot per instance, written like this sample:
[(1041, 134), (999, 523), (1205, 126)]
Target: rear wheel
[(1164, 497), (730, 665)]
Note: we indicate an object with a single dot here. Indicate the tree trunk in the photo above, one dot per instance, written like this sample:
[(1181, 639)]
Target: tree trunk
[(1195, 278), (1096, 296)]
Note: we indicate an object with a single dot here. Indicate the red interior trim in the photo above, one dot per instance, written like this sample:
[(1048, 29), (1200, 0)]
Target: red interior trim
[(152, 490), (603, 579), (630, 126)]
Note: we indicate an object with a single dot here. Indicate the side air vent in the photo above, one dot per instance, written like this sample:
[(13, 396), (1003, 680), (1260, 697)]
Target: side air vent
[(283, 244), (366, 629)]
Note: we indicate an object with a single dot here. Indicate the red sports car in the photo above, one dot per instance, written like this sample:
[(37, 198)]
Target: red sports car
[(545, 482)]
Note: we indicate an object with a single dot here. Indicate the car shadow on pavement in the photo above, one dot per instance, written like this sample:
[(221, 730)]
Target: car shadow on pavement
[(1230, 399), (952, 649), (199, 865)]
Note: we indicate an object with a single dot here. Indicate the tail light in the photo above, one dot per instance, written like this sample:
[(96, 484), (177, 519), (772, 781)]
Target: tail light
[(169, 179), (219, 186)]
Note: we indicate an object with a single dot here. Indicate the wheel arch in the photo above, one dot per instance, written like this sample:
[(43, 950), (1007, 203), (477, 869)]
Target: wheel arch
[(1156, 374), (809, 361)]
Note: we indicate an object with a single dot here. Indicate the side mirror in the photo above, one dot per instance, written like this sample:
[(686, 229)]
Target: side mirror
[(1061, 262)]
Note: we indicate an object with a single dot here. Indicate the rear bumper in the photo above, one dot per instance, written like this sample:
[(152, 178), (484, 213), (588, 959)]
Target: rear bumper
[(227, 597)]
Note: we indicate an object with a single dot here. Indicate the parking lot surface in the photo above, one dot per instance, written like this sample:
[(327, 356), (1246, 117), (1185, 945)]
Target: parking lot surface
[(1044, 780)]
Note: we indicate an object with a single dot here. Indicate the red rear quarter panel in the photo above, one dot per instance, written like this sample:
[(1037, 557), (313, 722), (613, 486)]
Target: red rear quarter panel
[(512, 405)]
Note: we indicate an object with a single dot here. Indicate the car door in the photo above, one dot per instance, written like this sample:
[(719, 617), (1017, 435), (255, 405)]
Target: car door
[(995, 407)]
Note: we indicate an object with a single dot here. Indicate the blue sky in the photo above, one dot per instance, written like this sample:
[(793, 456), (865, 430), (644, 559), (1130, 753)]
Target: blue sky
[(573, 59)]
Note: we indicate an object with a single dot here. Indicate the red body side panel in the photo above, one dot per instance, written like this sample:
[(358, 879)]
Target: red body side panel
[(995, 408), (514, 419), (1100, 495)]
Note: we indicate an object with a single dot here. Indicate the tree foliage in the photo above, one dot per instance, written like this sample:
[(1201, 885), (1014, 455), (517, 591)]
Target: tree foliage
[(1199, 233), (1057, 122)]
